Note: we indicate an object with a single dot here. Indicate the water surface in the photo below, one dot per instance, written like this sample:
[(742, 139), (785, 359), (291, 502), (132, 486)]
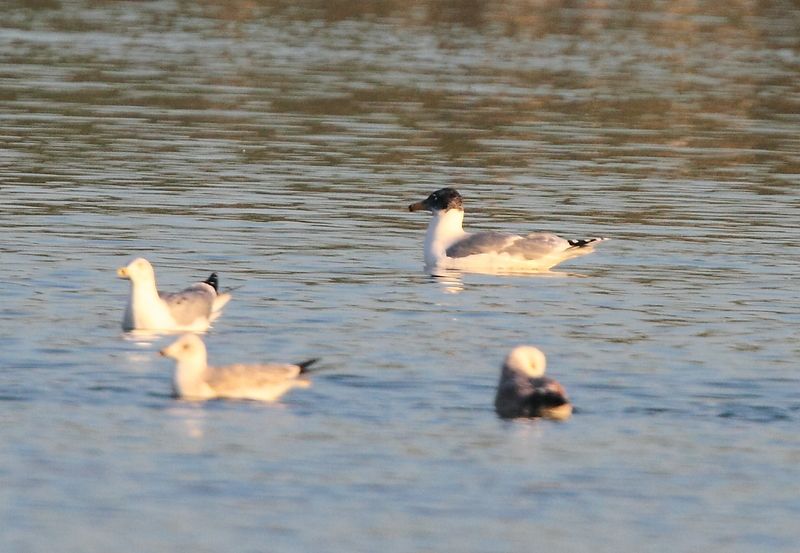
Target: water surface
[(279, 144)]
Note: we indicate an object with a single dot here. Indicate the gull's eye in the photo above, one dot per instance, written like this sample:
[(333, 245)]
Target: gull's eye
[(185, 347)]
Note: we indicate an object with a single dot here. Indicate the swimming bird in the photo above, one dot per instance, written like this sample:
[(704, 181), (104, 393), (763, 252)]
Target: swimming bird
[(195, 380), (524, 390), (192, 309), (448, 246)]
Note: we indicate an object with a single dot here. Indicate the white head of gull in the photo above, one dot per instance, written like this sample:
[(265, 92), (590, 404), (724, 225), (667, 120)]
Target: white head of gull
[(448, 246), (527, 360)]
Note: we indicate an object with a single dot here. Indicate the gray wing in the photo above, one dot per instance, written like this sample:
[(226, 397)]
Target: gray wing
[(482, 242), (521, 396), (190, 304), (547, 388), (537, 245), (249, 376)]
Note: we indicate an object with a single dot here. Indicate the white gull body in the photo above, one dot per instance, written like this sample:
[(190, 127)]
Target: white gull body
[(448, 246), (195, 380), (192, 309)]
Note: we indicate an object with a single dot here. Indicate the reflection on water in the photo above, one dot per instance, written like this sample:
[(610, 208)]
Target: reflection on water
[(278, 142), (452, 280), (146, 338), (190, 417)]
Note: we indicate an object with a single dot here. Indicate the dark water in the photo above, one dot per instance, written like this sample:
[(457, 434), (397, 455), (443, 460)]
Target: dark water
[(279, 144)]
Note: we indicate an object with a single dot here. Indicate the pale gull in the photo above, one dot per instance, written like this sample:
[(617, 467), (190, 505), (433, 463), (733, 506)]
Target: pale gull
[(195, 380), (448, 246), (192, 309), (524, 390)]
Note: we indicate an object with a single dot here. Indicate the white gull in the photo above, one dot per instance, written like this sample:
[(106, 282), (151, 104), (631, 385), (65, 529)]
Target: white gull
[(195, 380), (192, 309)]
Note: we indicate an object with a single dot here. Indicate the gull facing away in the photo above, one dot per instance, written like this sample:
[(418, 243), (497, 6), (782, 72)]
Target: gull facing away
[(195, 380), (447, 246), (192, 309), (524, 390)]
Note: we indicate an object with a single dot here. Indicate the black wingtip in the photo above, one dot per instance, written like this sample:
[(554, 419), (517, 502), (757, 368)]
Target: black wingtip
[(553, 400), (306, 364), (213, 281), (583, 242)]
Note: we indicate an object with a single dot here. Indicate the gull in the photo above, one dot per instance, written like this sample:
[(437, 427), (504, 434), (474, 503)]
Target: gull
[(524, 390), (447, 246), (195, 380), (192, 309)]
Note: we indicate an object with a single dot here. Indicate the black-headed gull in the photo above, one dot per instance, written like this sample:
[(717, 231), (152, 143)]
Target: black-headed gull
[(448, 246)]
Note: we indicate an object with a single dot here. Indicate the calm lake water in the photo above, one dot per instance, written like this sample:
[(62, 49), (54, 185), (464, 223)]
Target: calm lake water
[(279, 143)]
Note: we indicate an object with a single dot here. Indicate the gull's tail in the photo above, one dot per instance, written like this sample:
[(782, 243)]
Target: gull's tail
[(583, 242), (306, 364), (219, 303)]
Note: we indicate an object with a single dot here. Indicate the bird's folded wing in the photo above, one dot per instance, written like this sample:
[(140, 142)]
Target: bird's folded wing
[(547, 392), (190, 304), (482, 242), (536, 246), (251, 376)]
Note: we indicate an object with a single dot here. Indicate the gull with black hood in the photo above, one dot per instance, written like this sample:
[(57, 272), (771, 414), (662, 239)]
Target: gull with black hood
[(448, 246)]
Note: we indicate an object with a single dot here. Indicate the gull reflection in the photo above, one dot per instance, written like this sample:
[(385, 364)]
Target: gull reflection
[(452, 281), (143, 337), (190, 418)]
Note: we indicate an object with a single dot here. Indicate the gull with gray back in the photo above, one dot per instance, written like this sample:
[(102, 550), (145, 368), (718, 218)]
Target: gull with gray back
[(194, 379), (524, 390), (192, 309), (448, 246)]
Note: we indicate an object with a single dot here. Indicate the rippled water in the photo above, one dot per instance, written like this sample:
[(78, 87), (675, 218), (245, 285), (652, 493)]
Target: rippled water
[(279, 144)]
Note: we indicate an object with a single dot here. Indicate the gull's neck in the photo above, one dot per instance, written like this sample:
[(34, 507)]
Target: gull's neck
[(443, 231), (189, 380), (145, 309)]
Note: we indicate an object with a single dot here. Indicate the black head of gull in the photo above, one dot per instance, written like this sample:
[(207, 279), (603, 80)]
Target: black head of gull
[(441, 200)]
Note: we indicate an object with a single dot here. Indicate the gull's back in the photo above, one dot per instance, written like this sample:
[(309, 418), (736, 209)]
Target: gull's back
[(482, 242), (189, 305), (265, 382), (521, 396)]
